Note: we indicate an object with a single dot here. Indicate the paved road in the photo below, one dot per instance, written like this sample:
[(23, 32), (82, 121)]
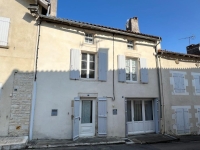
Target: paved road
[(158, 146)]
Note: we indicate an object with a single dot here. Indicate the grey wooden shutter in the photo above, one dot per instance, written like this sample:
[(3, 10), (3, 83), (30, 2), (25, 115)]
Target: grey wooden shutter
[(176, 83), (4, 30), (75, 64), (197, 83), (182, 83), (186, 121), (102, 116), (180, 121), (76, 118), (103, 64), (198, 112), (144, 71), (121, 68)]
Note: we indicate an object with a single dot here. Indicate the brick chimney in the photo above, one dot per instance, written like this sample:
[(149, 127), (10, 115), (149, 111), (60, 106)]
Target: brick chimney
[(132, 25)]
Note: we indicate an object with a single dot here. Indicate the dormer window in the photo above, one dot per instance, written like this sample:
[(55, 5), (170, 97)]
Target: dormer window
[(89, 38), (130, 44)]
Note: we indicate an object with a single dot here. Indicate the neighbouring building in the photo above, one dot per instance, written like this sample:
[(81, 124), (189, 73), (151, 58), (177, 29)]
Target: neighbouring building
[(18, 39), (180, 88), (94, 80)]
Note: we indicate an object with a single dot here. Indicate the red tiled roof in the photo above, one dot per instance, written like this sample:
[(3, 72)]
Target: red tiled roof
[(85, 24)]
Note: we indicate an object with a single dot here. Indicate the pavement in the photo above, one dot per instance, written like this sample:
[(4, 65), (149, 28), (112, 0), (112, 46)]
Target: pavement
[(13, 142), (145, 139)]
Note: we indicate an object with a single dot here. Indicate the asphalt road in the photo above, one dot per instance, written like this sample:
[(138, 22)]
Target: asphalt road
[(158, 146)]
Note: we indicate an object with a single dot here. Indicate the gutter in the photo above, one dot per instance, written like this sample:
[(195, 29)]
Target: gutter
[(158, 74), (34, 92), (89, 26)]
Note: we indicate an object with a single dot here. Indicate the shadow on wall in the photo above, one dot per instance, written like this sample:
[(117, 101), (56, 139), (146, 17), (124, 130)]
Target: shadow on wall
[(17, 99)]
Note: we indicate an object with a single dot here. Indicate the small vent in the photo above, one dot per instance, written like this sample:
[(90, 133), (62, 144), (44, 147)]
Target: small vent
[(54, 112)]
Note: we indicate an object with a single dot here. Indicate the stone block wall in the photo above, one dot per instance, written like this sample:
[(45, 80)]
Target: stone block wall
[(21, 104)]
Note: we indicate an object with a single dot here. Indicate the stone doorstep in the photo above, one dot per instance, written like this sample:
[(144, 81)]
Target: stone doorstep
[(77, 144), (13, 142)]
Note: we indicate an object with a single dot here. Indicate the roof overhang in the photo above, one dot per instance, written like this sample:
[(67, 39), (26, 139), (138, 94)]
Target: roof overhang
[(98, 27)]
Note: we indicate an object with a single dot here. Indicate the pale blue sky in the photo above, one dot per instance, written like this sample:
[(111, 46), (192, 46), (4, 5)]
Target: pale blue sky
[(170, 19)]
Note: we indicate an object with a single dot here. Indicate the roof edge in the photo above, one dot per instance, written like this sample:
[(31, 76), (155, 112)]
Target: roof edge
[(98, 27)]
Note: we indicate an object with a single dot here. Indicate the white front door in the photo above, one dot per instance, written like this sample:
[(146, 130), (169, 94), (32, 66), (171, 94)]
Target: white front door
[(140, 117), (87, 118)]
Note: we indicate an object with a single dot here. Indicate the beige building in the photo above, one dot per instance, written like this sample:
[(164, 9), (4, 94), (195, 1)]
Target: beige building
[(18, 45), (180, 92), (95, 81)]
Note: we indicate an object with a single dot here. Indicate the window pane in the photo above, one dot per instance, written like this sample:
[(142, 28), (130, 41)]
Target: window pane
[(92, 65), (133, 70), (91, 74), (137, 110), (91, 57), (134, 77), (127, 76), (133, 63), (148, 110), (127, 62), (83, 65), (127, 69), (83, 74), (86, 115), (129, 115), (84, 56)]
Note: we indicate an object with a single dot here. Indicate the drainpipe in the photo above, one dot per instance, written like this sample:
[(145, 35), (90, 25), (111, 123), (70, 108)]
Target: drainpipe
[(34, 85), (158, 73), (113, 68)]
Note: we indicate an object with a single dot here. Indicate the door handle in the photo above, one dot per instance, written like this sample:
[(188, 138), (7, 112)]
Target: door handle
[(79, 118)]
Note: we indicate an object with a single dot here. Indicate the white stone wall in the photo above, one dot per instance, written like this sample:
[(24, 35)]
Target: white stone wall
[(20, 104)]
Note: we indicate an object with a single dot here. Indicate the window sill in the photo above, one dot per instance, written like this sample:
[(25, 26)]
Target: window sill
[(197, 94), (89, 44), (88, 80), (6, 47), (132, 82), (173, 93)]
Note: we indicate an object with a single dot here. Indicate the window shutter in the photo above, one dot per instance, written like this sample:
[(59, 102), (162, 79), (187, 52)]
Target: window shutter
[(103, 64), (76, 118), (198, 112), (121, 68), (180, 121), (4, 30), (75, 64), (186, 120), (182, 83), (143, 71), (102, 116), (197, 83), (176, 82)]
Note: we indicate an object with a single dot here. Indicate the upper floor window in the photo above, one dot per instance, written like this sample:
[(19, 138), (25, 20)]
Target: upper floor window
[(131, 69), (4, 30), (179, 83), (130, 44), (88, 65), (89, 38)]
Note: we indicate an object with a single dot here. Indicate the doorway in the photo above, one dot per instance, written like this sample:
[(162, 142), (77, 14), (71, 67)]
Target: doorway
[(87, 118), (140, 116)]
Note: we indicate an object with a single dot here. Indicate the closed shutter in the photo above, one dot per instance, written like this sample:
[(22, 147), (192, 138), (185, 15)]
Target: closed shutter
[(103, 64), (186, 121), (121, 68), (198, 112), (182, 83), (180, 121), (176, 83), (4, 30), (144, 71), (75, 64), (102, 116), (76, 118), (197, 83)]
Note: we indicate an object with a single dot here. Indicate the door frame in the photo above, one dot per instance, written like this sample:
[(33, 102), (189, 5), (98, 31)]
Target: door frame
[(93, 116), (143, 114)]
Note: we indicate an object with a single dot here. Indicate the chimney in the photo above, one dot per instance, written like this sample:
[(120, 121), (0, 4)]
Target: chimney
[(132, 25), (193, 49), (54, 7)]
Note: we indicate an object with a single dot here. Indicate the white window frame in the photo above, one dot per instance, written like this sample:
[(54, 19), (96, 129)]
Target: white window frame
[(88, 37), (193, 82), (88, 65), (185, 82), (130, 44), (4, 32), (130, 68)]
